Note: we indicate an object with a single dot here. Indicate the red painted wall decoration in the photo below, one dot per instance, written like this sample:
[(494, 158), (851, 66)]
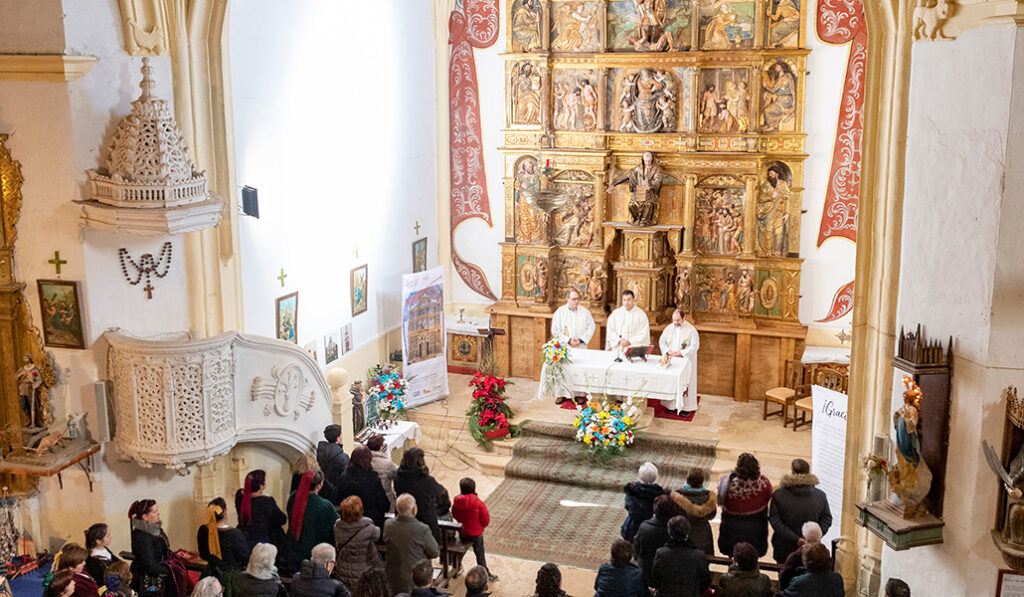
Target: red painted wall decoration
[(475, 26), (842, 22), (842, 303)]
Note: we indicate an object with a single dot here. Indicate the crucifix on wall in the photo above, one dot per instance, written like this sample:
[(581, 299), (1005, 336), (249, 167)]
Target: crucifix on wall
[(417, 227), (57, 261), (282, 276)]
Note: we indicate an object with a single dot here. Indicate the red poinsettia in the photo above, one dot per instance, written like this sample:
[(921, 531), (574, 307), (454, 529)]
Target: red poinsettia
[(488, 407)]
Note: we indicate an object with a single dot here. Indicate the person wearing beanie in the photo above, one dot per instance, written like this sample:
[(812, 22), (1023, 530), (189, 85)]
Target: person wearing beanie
[(743, 578), (640, 500), (332, 460), (795, 502)]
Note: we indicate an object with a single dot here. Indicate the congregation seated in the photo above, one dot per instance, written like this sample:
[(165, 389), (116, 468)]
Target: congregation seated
[(61, 585), (355, 537), (743, 578), (794, 564), (373, 583), (620, 577), (97, 544), (744, 494), (700, 506), (549, 582), (795, 502), (332, 460), (118, 580), (653, 534), (72, 557), (819, 580), (476, 582), (224, 548), (383, 466), (640, 499), (422, 576), (408, 541), (260, 578), (413, 477), (208, 587), (310, 519), (259, 517), (360, 480), (897, 587), (680, 569), (314, 576)]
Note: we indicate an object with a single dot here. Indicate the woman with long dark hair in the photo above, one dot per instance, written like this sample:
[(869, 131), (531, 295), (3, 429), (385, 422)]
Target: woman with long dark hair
[(360, 480), (97, 543), (156, 571), (414, 478), (259, 517), (224, 548), (744, 495)]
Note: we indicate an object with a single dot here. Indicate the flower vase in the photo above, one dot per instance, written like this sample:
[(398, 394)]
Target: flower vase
[(496, 433), (876, 487)]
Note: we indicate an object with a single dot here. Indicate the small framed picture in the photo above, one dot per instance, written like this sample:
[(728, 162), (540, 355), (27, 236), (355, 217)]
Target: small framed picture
[(359, 290), (346, 338), (331, 343), (1010, 584), (287, 309), (62, 314), (419, 255), (311, 348)]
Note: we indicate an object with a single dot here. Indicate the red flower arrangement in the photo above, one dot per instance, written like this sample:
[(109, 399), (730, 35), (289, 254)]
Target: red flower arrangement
[(488, 414)]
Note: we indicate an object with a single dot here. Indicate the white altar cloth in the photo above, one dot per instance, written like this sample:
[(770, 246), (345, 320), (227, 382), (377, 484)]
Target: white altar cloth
[(595, 371), (396, 435), (826, 354)]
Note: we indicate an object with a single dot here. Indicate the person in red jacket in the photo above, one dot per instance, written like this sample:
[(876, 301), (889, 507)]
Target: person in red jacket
[(471, 511)]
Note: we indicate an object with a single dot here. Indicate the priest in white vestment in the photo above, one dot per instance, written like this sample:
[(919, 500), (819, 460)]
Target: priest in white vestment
[(572, 323), (680, 339), (628, 325)]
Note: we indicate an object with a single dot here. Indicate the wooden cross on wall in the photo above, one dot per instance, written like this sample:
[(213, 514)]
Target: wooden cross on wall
[(417, 227), (57, 261), (282, 276)]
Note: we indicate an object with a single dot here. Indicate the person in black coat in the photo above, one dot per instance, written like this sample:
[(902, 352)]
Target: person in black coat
[(229, 554), (653, 534), (332, 460), (794, 564), (152, 572), (680, 568), (795, 502), (314, 576), (820, 580), (259, 517), (414, 478), (620, 577), (361, 480), (97, 543), (549, 582), (640, 500)]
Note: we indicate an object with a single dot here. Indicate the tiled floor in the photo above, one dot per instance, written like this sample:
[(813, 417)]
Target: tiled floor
[(453, 454)]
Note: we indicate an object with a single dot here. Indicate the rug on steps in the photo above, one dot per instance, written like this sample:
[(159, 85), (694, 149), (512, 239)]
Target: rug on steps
[(661, 412), (559, 504)]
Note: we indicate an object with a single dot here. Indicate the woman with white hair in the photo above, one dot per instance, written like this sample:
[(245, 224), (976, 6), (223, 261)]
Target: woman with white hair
[(640, 499), (260, 578), (794, 564), (208, 587)]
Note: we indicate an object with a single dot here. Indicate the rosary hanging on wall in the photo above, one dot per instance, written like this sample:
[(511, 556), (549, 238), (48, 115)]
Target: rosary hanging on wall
[(145, 268)]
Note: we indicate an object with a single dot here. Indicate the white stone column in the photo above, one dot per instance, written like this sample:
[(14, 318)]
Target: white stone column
[(341, 408)]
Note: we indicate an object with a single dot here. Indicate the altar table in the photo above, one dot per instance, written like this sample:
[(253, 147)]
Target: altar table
[(595, 371), (398, 436)]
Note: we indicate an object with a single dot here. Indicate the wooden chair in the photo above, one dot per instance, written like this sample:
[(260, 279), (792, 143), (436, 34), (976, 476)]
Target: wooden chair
[(786, 395), (826, 378)]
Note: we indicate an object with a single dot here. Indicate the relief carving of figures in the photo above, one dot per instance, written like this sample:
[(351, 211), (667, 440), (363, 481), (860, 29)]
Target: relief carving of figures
[(526, 20), (783, 21), (719, 221), (773, 211), (683, 289), (725, 103), (649, 25), (575, 27), (651, 34), (727, 24), (745, 288), (576, 104), (542, 279), (574, 223), (717, 289), (930, 17), (645, 185), (778, 112), (531, 226), (647, 102), (526, 91)]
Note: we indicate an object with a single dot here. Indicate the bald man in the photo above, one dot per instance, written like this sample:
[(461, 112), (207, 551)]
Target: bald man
[(680, 339)]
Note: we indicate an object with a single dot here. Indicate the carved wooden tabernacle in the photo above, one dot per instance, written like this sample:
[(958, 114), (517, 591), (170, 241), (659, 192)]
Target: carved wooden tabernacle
[(715, 91)]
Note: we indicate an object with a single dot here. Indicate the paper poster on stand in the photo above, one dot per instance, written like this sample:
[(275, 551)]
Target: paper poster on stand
[(424, 348), (828, 451)]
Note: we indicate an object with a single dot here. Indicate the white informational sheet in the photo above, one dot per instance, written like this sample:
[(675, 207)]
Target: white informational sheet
[(1010, 584), (424, 342), (828, 451)]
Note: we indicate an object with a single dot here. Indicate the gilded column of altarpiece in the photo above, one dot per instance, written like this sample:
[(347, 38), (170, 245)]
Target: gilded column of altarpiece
[(715, 89)]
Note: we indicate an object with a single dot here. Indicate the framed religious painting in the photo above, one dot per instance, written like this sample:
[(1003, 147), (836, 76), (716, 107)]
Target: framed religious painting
[(1010, 583), (287, 309), (346, 338), (419, 255), (359, 290), (331, 343), (62, 314)]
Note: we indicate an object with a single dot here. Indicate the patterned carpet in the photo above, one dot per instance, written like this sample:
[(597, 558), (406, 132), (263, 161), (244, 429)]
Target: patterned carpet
[(559, 504)]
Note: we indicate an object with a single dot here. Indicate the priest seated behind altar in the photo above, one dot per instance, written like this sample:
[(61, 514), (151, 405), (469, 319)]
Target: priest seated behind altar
[(572, 323), (628, 325), (680, 339)]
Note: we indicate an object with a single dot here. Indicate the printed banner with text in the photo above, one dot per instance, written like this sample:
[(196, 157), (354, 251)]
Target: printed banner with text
[(424, 343), (828, 451)]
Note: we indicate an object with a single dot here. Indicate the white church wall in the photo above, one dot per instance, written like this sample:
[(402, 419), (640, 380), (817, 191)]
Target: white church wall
[(960, 276), (825, 269), (308, 80), (57, 132)]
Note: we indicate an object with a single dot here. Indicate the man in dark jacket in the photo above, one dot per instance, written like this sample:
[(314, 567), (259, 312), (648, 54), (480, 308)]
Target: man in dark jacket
[(314, 576), (820, 580), (620, 577), (653, 534), (422, 576), (680, 568), (408, 541), (795, 502), (332, 460)]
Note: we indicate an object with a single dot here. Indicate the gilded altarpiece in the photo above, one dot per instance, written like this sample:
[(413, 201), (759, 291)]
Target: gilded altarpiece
[(714, 89)]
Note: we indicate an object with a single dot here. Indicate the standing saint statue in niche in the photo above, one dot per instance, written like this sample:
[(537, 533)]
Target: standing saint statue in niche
[(30, 382), (645, 185), (526, 18), (910, 479), (648, 102), (772, 212), (526, 86)]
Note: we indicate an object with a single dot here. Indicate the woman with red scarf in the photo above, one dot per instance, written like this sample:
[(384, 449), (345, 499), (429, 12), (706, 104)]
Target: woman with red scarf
[(744, 495), (310, 519), (156, 570), (259, 517)]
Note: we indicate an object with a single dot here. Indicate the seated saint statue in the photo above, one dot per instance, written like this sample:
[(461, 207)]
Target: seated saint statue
[(645, 184)]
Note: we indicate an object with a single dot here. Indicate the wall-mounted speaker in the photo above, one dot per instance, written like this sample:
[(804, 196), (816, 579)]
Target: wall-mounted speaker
[(104, 393), (250, 202)]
